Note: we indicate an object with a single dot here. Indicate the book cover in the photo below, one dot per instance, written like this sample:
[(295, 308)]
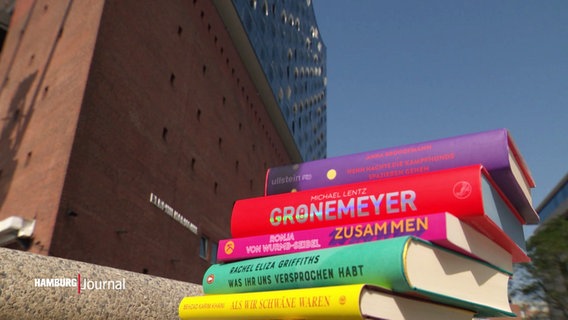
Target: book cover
[(467, 192), (443, 229), (495, 150), (405, 265), (357, 301)]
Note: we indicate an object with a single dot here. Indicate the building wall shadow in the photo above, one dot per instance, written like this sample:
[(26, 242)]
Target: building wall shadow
[(14, 126)]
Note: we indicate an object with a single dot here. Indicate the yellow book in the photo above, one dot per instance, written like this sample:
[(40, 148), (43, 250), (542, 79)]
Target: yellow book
[(358, 301)]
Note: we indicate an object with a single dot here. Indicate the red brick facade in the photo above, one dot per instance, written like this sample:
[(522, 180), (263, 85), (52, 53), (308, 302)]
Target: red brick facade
[(129, 101)]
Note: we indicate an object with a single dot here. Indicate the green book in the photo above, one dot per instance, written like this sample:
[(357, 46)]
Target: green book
[(406, 265)]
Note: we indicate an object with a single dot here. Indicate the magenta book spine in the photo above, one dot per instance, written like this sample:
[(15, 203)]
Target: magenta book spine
[(430, 227)]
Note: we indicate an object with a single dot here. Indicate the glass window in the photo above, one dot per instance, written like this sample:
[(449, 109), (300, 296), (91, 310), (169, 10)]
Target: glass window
[(203, 247), (213, 256)]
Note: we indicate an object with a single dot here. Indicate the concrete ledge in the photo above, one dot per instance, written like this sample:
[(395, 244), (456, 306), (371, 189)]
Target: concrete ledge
[(28, 290)]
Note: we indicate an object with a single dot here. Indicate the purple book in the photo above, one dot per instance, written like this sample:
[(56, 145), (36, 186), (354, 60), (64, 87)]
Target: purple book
[(494, 149)]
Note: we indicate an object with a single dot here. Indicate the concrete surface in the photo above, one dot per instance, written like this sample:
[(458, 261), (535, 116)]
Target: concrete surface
[(28, 290)]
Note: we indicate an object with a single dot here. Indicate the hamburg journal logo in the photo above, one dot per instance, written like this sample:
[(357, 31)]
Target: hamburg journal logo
[(80, 284)]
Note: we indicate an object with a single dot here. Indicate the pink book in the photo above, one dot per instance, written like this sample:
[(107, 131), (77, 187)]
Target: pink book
[(443, 229)]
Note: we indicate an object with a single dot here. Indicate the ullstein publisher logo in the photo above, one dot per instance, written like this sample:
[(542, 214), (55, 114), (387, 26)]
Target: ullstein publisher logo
[(462, 190), (81, 284)]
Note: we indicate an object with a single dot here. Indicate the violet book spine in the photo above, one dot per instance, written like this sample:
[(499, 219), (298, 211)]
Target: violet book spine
[(490, 149), (392, 162)]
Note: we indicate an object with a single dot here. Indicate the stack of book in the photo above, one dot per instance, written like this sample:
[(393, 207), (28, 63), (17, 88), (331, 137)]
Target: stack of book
[(423, 231)]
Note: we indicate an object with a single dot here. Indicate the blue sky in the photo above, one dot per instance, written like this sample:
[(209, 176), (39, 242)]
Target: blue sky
[(401, 72)]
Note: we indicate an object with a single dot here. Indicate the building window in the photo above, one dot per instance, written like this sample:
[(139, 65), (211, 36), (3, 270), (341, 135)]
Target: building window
[(208, 249), (265, 8), (204, 247), (213, 253), (165, 134)]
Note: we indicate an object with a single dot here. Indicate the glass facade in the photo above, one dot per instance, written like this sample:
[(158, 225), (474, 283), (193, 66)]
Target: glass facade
[(286, 40), (554, 200)]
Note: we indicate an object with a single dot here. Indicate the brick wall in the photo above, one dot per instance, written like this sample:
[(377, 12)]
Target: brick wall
[(167, 109)]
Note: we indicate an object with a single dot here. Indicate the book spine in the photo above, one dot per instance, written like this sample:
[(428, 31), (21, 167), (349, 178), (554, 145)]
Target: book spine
[(352, 264), (309, 303), (430, 227), (490, 149), (508, 184), (487, 148), (319, 268), (455, 190)]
